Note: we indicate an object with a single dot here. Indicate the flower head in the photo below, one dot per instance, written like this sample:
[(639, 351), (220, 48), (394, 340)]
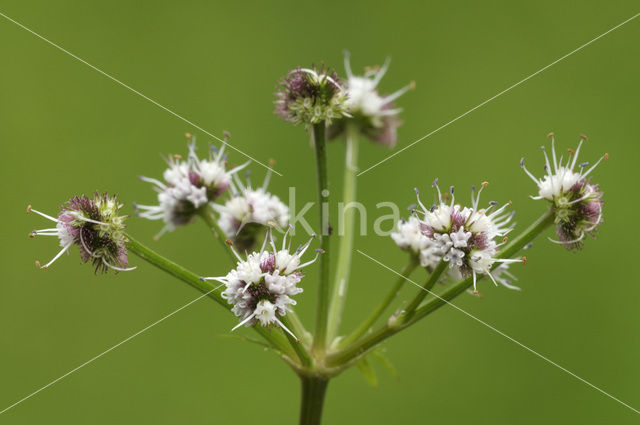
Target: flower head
[(261, 286), (375, 115), (246, 216), (93, 224), (310, 96), (465, 237), (575, 201), (188, 186)]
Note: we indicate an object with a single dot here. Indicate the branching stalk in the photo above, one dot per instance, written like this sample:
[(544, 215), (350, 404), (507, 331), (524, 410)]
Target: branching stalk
[(320, 337), (343, 267), (371, 340), (276, 339), (386, 301)]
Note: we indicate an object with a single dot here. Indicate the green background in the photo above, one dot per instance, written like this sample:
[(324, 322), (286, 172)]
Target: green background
[(65, 129)]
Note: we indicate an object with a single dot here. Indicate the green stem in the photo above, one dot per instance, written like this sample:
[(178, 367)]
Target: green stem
[(277, 340), (298, 347), (319, 142), (376, 337), (426, 288), (207, 216), (343, 268), (314, 389), (386, 301)]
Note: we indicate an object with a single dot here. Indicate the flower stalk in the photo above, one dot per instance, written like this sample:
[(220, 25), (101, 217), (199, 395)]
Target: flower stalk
[(384, 304), (363, 345), (343, 268), (276, 339), (319, 142), (207, 216)]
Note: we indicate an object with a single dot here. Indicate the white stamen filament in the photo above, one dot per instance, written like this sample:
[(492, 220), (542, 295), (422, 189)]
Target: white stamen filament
[(65, 248), (44, 215), (120, 269), (243, 322), (286, 329)]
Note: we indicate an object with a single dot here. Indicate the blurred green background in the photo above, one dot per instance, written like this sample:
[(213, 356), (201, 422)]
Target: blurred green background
[(66, 129)]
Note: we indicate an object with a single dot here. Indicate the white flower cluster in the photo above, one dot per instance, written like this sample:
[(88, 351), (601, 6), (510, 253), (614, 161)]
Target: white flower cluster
[(250, 211), (464, 237), (261, 286), (188, 185), (576, 202)]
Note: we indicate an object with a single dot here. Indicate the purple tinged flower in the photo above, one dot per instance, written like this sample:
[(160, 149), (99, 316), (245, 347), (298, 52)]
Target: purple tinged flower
[(262, 285), (249, 212), (465, 237), (310, 96), (575, 201), (375, 115), (188, 186), (93, 224)]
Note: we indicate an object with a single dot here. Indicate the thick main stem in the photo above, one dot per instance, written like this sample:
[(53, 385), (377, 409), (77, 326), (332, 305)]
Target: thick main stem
[(386, 301), (384, 332), (320, 337), (312, 402), (346, 231)]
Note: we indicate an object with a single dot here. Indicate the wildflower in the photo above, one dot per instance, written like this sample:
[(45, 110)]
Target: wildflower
[(375, 115), (93, 224), (310, 96), (576, 203), (188, 186), (246, 216), (465, 237), (261, 286)]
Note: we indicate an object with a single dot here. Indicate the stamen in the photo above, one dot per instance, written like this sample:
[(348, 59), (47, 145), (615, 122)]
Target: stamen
[(575, 156), (605, 157), (567, 242), (286, 329), (64, 248), (29, 209), (347, 64), (381, 72), (398, 93), (153, 181), (267, 178), (79, 217), (243, 322), (529, 173), (119, 269)]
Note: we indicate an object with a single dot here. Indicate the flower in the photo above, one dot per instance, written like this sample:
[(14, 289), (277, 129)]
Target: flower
[(409, 237), (261, 286), (375, 116), (576, 203), (93, 224), (189, 185), (310, 96), (245, 217), (465, 237)]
